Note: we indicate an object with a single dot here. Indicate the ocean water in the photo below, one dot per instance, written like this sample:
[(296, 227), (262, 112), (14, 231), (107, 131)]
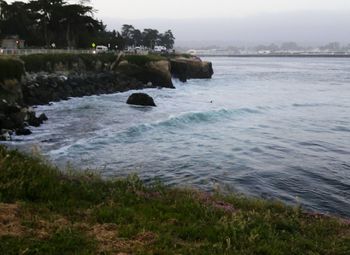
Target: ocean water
[(267, 127)]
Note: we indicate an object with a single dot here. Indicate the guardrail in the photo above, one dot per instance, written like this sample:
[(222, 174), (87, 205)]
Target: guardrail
[(347, 55), (42, 51), (15, 52)]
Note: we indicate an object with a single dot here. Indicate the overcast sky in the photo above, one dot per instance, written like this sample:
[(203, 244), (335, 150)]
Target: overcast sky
[(234, 21), (179, 9)]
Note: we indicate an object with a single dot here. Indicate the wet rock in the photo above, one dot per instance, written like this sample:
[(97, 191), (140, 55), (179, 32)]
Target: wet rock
[(5, 135), (141, 99), (23, 131), (74, 85), (33, 120), (43, 117)]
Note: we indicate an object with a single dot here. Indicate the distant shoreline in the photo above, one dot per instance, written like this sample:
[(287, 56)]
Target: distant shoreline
[(275, 56)]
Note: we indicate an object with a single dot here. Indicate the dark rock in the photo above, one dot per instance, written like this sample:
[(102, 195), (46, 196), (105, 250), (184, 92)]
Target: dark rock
[(23, 131), (18, 118), (141, 99), (33, 120), (193, 68), (10, 109), (43, 117), (156, 72), (5, 135), (7, 123), (179, 70)]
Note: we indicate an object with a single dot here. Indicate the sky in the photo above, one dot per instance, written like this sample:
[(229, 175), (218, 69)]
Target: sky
[(182, 9), (233, 22), (239, 22)]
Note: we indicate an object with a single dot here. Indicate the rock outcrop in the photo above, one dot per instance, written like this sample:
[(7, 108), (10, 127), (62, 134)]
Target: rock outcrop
[(141, 99), (44, 88), (14, 115), (158, 73), (191, 68), (58, 77)]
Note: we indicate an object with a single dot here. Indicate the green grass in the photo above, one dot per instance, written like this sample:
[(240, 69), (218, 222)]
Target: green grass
[(142, 60), (66, 241), (58, 213), (46, 62), (10, 68), (178, 55)]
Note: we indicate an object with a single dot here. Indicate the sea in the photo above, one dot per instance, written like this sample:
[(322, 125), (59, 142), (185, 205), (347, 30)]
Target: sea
[(274, 128)]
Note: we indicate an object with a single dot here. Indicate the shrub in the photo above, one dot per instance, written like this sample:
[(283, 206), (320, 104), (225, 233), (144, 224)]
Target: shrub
[(11, 68), (46, 62)]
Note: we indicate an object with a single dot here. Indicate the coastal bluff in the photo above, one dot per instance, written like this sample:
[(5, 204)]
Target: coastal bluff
[(39, 79)]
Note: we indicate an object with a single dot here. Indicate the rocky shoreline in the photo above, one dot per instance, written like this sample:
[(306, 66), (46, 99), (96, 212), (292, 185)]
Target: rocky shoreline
[(40, 80)]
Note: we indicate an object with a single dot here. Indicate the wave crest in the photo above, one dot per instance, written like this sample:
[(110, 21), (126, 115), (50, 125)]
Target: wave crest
[(192, 118)]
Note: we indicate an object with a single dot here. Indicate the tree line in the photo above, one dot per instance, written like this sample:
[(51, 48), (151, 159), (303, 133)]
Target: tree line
[(56, 23), (148, 37)]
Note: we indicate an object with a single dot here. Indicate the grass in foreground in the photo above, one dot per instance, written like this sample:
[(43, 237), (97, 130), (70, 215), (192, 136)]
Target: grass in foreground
[(43, 211)]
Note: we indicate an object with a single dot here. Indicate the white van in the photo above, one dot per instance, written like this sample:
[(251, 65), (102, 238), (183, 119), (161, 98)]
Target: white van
[(101, 49), (159, 49)]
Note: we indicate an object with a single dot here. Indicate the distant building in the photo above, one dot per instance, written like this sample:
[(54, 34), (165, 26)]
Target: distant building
[(12, 42)]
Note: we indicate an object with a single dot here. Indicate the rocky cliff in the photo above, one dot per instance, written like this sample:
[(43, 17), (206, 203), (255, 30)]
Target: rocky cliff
[(41, 79), (191, 68), (14, 113)]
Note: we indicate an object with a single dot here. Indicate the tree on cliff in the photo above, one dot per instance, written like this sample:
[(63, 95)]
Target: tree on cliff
[(150, 37), (132, 36), (78, 21), (137, 37), (13, 17), (127, 34), (42, 23), (46, 14), (167, 39)]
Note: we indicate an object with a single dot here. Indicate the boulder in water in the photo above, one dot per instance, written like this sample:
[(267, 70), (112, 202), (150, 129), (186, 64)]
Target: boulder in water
[(43, 117), (141, 99)]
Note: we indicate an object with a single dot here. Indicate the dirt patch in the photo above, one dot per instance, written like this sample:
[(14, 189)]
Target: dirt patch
[(43, 229), (109, 241), (209, 200), (10, 220), (146, 237), (106, 235)]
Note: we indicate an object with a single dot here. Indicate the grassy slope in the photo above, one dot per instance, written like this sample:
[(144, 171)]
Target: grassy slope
[(45, 212), (141, 60)]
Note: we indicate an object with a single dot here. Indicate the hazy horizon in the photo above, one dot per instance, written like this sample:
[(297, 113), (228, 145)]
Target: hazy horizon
[(234, 22), (306, 28)]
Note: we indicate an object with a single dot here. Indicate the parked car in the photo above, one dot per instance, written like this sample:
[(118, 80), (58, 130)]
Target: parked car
[(159, 49), (101, 49)]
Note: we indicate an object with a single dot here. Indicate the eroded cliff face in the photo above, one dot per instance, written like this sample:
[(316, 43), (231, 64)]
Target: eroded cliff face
[(15, 116), (153, 73), (11, 102), (191, 68)]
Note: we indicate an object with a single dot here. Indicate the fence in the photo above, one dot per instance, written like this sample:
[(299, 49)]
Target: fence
[(42, 51), (15, 52)]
